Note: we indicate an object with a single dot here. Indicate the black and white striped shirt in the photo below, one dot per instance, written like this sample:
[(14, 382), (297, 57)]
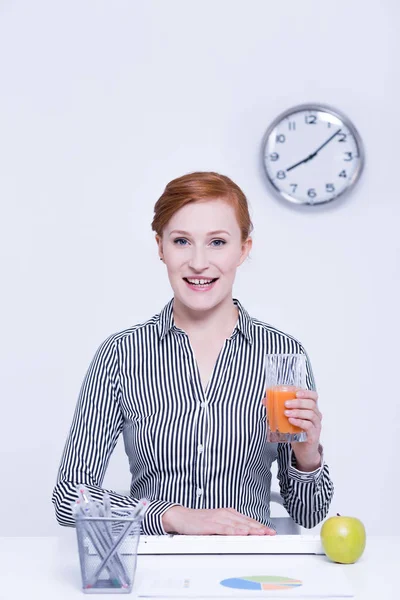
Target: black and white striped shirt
[(187, 446)]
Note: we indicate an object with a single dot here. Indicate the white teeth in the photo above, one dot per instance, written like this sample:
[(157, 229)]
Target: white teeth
[(199, 281)]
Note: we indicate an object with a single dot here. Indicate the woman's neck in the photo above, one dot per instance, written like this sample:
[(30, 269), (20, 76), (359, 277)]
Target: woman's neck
[(214, 323)]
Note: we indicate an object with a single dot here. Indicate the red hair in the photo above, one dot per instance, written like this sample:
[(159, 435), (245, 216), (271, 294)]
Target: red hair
[(197, 187)]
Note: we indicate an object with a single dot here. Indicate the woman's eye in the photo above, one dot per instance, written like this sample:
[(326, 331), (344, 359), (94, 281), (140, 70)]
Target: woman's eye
[(215, 243)]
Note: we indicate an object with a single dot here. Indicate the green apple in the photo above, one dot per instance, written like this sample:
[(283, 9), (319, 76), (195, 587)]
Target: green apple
[(343, 539)]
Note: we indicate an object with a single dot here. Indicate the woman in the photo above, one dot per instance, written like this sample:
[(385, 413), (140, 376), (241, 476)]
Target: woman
[(186, 390)]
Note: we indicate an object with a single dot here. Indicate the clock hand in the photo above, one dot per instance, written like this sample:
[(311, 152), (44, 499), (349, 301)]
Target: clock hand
[(301, 162), (327, 142), (314, 153)]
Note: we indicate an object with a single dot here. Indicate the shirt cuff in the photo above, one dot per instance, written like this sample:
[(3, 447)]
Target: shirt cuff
[(152, 520), (305, 476)]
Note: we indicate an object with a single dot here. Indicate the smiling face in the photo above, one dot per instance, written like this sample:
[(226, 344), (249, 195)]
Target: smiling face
[(201, 246)]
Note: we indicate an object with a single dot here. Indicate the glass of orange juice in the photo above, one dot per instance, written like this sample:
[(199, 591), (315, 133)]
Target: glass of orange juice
[(285, 375)]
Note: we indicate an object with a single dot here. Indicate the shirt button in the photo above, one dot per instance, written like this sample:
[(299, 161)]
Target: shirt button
[(199, 492), (203, 404), (200, 448)]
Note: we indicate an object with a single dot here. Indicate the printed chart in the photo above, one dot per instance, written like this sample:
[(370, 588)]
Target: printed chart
[(272, 577), (258, 583)]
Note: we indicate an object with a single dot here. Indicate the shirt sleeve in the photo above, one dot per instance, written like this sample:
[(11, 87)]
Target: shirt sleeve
[(97, 423), (306, 495)]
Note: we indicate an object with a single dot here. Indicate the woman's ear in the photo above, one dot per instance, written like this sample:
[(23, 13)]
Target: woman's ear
[(246, 247), (159, 244)]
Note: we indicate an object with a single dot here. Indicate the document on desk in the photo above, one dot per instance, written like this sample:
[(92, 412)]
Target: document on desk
[(267, 577)]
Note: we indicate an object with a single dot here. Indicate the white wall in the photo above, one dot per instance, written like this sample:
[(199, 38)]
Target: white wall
[(101, 104)]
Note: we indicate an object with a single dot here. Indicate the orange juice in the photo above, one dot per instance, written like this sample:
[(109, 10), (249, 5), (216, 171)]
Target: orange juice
[(276, 397)]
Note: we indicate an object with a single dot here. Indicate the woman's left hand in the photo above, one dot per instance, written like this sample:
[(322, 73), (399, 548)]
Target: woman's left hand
[(304, 413)]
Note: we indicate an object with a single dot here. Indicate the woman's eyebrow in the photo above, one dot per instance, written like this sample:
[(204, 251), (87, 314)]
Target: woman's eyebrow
[(209, 233)]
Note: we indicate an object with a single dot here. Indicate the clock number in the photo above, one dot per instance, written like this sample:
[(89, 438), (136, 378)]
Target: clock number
[(294, 186), (342, 137), (311, 119), (280, 138), (274, 156), (330, 187), (292, 125), (350, 156), (343, 173), (311, 193), (281, 174)]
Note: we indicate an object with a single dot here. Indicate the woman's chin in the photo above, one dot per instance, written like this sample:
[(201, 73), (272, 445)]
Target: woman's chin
[(196, 301), (202, 302)]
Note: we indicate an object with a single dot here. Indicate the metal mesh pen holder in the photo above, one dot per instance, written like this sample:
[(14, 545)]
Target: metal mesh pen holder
[(107, 552)]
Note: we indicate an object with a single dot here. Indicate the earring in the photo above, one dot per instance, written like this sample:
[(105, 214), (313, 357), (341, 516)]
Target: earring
[(161, 258)]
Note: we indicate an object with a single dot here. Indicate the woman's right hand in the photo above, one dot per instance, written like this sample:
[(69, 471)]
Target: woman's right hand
[(217, 521)]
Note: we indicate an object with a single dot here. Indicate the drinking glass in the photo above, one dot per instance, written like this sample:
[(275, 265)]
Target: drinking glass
[(285, 375)]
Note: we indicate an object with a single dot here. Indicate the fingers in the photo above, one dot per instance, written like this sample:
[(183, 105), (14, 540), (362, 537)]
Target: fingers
[(306, 403), (308, 426), (307, 394), (220, 521), (232, 530), (248, 525), (232, 516), (303, 409), (304, 399), (307, 415), (226, 529)]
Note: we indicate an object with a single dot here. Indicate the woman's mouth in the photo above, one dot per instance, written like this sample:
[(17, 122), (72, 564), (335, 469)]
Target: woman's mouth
[(200, 284)]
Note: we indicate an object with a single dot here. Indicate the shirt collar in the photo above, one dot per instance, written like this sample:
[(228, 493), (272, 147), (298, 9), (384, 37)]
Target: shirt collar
[(244, 324), (166, 319)]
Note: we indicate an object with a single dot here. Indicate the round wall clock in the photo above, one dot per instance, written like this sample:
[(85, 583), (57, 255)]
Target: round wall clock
[(312, 154)]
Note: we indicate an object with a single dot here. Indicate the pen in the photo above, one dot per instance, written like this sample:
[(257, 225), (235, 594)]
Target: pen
[(107, 504), (140, 509), (108, 554), (104, 526), (79, 511), (102, 537), (111, 552), (137, 514), (84, 494)]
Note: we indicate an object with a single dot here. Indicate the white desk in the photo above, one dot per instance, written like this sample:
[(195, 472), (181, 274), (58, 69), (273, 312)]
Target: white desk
[(48, 568)]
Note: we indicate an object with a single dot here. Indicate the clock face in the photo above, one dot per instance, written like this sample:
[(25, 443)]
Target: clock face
[(312, 155)]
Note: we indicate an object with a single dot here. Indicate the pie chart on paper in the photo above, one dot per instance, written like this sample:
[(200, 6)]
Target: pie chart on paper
[(261, 583)]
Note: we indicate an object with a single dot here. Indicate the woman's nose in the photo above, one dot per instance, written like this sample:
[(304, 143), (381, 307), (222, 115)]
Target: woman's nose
[(198, 260)]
